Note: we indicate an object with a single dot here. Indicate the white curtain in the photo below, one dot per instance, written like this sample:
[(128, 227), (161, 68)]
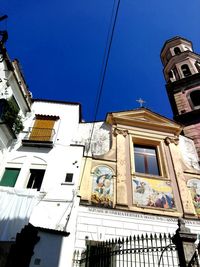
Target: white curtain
[(15, 209)]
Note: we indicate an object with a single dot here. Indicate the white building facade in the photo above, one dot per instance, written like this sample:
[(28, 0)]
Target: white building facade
[(39, 170)]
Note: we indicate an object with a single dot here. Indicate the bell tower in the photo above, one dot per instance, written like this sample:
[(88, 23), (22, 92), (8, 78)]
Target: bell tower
[(182, 75)]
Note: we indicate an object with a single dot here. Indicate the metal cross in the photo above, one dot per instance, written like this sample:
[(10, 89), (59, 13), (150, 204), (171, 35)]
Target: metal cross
[(141, 101)]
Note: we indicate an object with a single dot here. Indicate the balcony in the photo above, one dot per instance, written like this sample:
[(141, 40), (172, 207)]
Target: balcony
[(39, 137)]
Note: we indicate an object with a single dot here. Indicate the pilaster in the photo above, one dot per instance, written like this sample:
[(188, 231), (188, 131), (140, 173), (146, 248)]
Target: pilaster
[(186, 199), (121, 187)]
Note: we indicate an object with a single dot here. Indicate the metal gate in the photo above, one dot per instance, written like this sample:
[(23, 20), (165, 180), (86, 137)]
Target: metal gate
[(137, 251)]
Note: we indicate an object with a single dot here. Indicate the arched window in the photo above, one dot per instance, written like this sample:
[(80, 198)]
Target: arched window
[(195, 98), (186, 71), (177, 50)]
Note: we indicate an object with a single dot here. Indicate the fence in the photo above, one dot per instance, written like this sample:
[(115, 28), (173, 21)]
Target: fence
[(137, 251)]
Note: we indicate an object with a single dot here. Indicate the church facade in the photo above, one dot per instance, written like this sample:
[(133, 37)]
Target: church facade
[(150, 175), (144, 182)]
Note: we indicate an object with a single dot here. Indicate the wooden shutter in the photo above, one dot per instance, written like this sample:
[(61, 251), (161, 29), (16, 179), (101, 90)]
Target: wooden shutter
[(10, 177), (42, 130)]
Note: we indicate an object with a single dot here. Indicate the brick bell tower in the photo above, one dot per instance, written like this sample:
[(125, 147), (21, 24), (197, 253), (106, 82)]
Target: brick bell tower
[(182, 75)]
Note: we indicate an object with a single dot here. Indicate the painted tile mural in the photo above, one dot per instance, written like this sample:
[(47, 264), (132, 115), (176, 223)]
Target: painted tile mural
[(152, 193), (102, 187), (194, 185)]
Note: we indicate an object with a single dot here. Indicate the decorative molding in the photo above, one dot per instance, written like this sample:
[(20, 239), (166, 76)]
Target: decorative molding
[(117, 131), (172, 140)]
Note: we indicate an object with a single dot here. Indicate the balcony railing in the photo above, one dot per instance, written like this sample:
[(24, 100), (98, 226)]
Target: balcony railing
[(39, 137)]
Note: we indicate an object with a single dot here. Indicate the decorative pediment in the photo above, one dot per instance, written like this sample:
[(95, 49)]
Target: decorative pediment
[(144, 118)]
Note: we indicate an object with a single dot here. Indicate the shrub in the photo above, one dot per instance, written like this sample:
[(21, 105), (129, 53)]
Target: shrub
[(11, 117)]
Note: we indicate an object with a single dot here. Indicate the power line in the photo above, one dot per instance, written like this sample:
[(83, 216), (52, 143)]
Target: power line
[(107, 50), (106, 54)]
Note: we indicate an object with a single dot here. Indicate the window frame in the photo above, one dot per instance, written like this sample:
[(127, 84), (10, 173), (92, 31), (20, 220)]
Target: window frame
[(68, 183), (146, 156), (69, 174), (154, 143)]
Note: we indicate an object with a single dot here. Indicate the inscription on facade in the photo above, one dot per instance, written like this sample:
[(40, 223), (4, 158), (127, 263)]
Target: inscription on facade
[(138, 215)]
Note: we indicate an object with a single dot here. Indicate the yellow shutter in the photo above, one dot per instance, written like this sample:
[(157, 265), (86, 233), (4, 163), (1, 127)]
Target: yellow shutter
[(42, 130)]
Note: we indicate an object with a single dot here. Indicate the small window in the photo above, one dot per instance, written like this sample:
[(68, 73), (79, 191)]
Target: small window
[(195, 98), (9, 177), (177, 51), (69, 178), (35, 179), (186, 71), (146, 160)]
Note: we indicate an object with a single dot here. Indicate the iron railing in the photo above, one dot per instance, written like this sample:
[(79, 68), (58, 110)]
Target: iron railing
[(137, 251)]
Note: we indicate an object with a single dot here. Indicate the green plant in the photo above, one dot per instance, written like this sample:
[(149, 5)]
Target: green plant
[(11, 116)]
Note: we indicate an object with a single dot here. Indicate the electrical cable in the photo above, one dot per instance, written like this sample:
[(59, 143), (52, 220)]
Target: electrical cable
[(106, 55), (105, 59), (107, 50)]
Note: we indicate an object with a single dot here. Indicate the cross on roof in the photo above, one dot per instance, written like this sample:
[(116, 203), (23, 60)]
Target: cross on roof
[(141, 101)]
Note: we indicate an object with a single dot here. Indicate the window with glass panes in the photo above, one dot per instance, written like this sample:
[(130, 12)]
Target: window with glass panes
[(146, 160)]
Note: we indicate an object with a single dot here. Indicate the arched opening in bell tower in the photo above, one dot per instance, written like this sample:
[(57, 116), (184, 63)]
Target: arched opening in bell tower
[(186, 70), (177, 50), (195, 99)]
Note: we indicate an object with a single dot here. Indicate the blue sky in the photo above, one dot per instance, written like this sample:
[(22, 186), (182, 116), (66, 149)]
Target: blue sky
[(60, 45)]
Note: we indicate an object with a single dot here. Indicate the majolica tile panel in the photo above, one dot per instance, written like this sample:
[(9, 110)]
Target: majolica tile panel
[(152, 193), (194, 186), (102, 187)]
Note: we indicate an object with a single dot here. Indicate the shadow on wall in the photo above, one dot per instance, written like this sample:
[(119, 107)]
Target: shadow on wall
[(18, 252), (37, 148), (5, 247), (47, 252), (33, 246)]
